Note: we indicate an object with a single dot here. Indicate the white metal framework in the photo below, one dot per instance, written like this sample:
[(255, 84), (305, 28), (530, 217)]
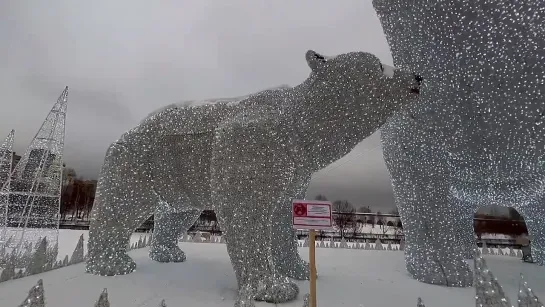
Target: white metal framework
[(34, 187)]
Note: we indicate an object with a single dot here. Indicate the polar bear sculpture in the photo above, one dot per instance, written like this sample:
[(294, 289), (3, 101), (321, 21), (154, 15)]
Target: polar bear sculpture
[(241, 159), (477, 135)]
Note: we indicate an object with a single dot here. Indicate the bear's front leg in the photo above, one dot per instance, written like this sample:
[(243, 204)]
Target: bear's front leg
[(286, 258), (168, 226), (250, 173), (123, 202)]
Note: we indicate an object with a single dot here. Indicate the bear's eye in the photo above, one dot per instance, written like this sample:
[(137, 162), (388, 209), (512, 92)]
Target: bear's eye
[(320, 57)]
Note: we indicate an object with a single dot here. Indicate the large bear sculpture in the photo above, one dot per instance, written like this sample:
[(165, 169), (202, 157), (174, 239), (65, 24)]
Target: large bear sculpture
[(242, 158), (477, 135)]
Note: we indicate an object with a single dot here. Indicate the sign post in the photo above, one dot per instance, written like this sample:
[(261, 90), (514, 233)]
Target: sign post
[(312, 215)]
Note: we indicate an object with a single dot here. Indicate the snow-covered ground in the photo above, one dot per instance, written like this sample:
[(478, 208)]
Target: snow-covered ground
[(347, 277)]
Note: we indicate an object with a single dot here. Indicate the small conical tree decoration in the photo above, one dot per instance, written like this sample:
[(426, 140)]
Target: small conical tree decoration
[(77, 255), (19, 274), (145, 242), (322, 244), (163, 304), (526, 297), (39, 259), (52, 254), (389, 246), (402, 244), (65, 261), (305, 243), (378, 245), (27, 255), (139, 243), (367, 246), (9, 270), (306, 302), (197, 237), (419, 303), (332, 243), (489, 293), (512, 252), (500, 251), (35, 296), (103, 299), (485, 249), (150, 238), (343, 243)]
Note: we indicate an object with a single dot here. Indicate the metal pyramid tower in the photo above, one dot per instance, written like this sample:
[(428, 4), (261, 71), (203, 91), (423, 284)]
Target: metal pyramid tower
[(489, 293), (6, 160), (35, 186)]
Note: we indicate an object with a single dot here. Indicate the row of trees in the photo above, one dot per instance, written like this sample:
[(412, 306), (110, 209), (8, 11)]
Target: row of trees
[(350, 223), (77, 196)]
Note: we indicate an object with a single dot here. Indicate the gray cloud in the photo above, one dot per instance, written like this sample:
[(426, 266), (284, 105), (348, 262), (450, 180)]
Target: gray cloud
[(123, 59)]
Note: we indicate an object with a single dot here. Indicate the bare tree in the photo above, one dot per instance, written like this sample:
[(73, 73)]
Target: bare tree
[(383, 225), (364, 209), (320, 197), (394, 211), (344, 216)]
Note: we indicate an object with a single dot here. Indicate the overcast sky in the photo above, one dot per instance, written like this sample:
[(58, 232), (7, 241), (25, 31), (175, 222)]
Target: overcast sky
[(122, 59)]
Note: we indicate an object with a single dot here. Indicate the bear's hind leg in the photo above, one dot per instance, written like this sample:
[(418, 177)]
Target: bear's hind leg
[(169, 225), (534, 215), (124, 200)]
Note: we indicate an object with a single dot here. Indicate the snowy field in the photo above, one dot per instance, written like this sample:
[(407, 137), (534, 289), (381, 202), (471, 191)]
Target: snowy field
[(347, 277)]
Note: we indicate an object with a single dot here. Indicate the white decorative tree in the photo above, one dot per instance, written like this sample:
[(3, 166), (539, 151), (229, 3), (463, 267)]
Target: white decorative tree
[(103, 299), (485, 249), (306, 302), (489, 293), (77, 255), (39, 259), (343, 243), (378, 245), (526, 297), (35, 297)]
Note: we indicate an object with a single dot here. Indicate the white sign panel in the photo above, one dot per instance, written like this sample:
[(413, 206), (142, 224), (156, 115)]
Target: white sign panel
[(312, 214)]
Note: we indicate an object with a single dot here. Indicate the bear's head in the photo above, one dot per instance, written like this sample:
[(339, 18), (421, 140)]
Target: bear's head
[(359, 87)]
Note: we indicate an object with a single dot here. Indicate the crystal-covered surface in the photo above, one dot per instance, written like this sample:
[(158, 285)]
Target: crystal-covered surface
[(477, 136), (526, 297), (35, 186), (242, 160), (488, 292)]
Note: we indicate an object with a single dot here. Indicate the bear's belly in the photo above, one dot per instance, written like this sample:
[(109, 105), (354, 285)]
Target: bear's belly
[(181, 170)]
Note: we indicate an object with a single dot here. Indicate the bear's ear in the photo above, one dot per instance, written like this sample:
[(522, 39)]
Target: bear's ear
[(314, 59)]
